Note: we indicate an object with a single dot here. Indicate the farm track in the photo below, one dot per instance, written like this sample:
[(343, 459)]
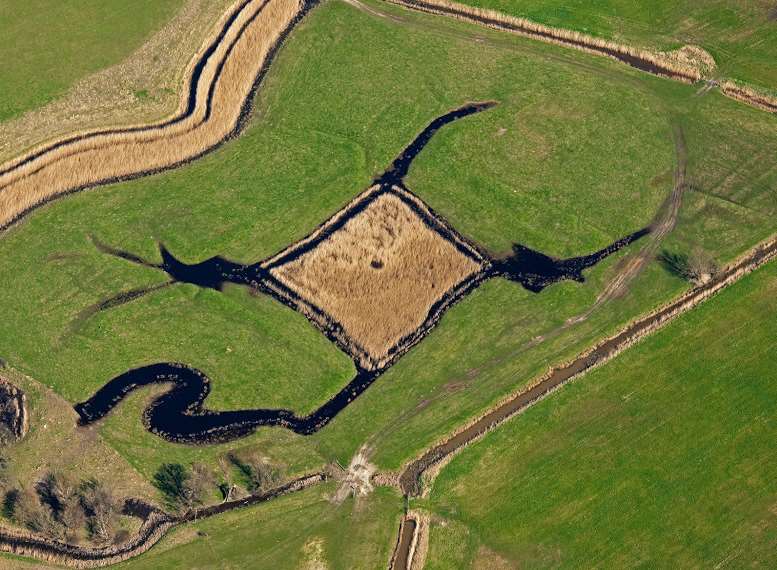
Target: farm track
[(410, 478), (208, 121), (155, 525)]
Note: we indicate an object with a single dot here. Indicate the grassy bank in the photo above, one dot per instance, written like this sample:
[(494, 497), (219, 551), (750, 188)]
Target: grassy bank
[(741, 36), (667, 450), (57, 43)]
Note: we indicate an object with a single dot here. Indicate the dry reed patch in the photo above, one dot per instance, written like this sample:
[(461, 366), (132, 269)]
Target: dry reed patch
[(108, 98), (379, 275), (232, 71)]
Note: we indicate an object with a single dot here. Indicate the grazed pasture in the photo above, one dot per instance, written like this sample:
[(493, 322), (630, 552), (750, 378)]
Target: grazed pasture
[(558, 164), (666, 450), (492, 177)]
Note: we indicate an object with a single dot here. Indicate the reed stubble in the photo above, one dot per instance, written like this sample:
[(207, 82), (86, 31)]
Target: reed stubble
[(232, 71)]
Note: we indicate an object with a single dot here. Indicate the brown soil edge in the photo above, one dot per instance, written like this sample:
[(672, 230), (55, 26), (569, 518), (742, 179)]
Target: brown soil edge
[(19, 423), (410, 479), (658, 63), (156, 524), (412, 542)]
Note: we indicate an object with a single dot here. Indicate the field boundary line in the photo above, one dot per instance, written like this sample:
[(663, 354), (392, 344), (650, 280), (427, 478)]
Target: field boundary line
[(428, 464), (220, 96), (689, 64), (155, 525)]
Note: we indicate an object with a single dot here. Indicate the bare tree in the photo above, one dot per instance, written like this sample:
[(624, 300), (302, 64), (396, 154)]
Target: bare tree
[(199, 484), (227, 485), (698, 267), (259, 472), (701, 266), (72, 518), (59, 495), (29, 512), (102, 510)]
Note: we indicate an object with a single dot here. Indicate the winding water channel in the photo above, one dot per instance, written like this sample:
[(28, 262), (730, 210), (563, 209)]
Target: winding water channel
[(180, 414)]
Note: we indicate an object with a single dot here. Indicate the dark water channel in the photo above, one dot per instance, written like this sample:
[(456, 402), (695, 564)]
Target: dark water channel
[(180, 414)]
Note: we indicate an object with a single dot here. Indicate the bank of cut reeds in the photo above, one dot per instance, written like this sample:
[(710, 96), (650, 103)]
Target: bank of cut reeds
[(688, 64), (749, 95), (223, 86)]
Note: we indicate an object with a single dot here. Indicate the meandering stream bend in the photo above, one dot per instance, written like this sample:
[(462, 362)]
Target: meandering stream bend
[(180, 414)]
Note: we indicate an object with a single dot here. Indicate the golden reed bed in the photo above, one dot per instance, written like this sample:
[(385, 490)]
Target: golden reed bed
[(223, 86), (379, 275)]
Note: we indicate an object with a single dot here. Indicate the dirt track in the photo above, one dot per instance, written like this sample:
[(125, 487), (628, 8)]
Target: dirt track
[(16, 200), (410, 479)]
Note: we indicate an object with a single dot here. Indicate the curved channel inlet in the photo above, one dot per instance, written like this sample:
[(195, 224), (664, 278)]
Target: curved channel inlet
[(180, 414)]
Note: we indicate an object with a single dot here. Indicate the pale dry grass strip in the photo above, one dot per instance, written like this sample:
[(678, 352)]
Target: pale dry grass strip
[(689, 64), (107, 98), (104, 158), (180, 104)]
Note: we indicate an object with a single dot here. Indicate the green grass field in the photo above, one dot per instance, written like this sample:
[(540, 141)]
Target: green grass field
[(668, 452), (741, 36), (56, 43), (304, 530), (292, 532), (578, 153)]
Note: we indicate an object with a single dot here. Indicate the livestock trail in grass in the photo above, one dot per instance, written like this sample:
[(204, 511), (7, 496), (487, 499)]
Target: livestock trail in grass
[(171, 261), (410, 479), (670, 453)]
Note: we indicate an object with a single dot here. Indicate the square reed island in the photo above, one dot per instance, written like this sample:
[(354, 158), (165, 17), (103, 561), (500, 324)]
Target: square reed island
[(378, 274)]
